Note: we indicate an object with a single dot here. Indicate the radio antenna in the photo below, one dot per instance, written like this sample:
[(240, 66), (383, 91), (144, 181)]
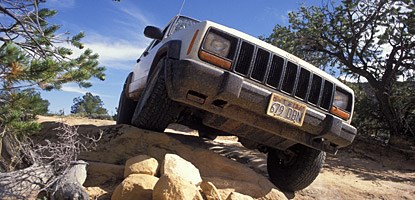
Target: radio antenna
[(181, 8)]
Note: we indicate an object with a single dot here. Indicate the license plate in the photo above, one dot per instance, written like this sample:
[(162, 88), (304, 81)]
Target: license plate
[(286, 110)]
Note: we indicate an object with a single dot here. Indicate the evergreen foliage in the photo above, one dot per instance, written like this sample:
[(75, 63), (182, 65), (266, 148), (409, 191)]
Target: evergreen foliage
[(90, 106), (19, 108)]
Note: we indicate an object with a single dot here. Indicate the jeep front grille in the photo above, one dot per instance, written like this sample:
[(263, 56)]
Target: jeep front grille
[(260, 65), (276, 72), (246, 53)]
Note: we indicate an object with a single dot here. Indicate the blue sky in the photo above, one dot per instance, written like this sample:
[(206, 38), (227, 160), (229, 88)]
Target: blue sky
[(114, 30)]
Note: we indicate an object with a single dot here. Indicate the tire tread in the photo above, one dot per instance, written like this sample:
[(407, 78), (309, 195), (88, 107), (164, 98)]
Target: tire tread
[(158, 111), (301, 174)]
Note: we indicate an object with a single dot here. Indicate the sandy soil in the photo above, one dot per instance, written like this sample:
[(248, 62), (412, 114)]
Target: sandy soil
[(74, 121), (347, 175), (363, 171)]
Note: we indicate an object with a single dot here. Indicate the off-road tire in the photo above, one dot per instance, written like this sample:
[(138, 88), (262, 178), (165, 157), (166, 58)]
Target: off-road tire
[(155, 111), (126, 106), (300, 172)]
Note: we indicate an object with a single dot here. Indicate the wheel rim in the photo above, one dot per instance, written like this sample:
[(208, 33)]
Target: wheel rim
[(286, 158)]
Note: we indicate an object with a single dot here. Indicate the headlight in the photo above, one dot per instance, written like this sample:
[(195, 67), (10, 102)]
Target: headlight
[(217, 44), (341, 100)]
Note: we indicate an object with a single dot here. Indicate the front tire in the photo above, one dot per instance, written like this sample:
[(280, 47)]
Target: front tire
[(295, 168), (155, 111), (126, 106)]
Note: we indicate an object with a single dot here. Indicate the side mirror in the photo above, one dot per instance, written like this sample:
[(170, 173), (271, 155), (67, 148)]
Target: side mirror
[(153, 33)]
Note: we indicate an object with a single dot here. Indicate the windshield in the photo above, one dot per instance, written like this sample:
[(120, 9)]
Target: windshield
[(182, 23)]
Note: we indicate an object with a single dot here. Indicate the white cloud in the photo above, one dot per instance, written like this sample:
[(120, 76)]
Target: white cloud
[(75, 89), (119, 46), (136, 14), (115, 51), (70, 87)]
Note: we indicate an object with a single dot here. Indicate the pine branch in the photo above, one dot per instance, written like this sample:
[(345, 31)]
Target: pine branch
[(5, 11)]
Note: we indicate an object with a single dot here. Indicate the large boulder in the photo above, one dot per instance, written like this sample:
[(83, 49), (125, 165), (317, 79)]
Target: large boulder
[(141, 164), (100, 173), (171, 187), (135, 186), (175, 165)]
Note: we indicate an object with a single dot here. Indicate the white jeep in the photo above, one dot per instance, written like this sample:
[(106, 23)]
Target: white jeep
[(221, 81)]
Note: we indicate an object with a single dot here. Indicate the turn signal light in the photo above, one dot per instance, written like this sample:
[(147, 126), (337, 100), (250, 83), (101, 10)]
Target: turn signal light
[(220, 62), (340, 113)]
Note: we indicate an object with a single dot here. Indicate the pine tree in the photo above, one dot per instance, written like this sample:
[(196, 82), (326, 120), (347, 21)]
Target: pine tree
[(89, 105), (34, 54)]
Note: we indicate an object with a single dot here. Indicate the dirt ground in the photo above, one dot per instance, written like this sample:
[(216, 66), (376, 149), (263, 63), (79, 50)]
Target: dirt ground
[(366, 170)]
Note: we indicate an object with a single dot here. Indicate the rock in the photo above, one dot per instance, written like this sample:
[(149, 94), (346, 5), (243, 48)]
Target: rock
[(135, 186), (99, 173), (123, 142), (210, 191), (141, 164), (174, 164), (238, 196), (257, 190), (95, 192), (77, 173), (171, 187)]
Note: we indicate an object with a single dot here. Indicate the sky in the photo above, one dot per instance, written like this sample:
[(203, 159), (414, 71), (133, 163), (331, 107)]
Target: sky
[(114, 30)]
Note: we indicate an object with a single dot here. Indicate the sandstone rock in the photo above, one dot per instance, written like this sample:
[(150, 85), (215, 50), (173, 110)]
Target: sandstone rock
[(238, 196), (141, 164), (256, 190), (171, 187), (227, 175), (174, 164), (210, 191), (135, 186), (95, 192)]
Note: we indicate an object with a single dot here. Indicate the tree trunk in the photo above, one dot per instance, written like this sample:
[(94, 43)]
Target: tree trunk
[(25, 183), (8, 150), (391, 117)]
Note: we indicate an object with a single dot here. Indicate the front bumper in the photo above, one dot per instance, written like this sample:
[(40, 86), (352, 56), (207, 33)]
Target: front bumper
[(238, 106)]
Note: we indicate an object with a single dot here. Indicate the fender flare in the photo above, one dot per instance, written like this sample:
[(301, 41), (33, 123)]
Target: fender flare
[(170, 49)]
